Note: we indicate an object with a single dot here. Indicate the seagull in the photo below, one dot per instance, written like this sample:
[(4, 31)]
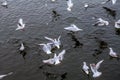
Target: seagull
[(70, 5), (86, 5), (47, 48), (94, 69), (22, 48), (56, 59), (101, 22), (5, 4), (53, 0), (114, 1), (117, 24), (56, 42), (85, 68), (73, 28), (20, 24), (112, 53), (4, 75)]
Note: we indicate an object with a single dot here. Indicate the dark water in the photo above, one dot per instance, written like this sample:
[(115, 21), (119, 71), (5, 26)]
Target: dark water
[(50, 21)]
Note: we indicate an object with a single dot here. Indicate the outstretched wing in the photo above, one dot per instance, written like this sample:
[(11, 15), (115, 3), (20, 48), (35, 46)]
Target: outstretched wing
[(49, 39), (98, 64), (49, 61), (61, 55)]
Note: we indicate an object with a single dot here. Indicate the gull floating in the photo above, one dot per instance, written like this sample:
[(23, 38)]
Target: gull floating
[(56, 59), (94, 69), (112, 53), (117, 24), (70, 5), (114, 1), (85, 68), (86, 5), (47, 48), (2, 76), (56, 42), (22, 48), (73, 28), (5, 4), (20, 24), (53, 0), (101, 22)]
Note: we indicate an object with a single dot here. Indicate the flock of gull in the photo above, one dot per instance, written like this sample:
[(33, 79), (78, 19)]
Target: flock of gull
[(56, 43)]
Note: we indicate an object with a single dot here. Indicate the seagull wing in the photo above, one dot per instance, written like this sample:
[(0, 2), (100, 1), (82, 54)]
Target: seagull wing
[(20, 21), (49, 39), (61, 55), (70, 28), (49, 61), (98, 64), (59, 38)]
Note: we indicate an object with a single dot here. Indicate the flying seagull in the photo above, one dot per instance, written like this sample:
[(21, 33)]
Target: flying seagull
[(47, 48), (56, 42), (70, 5), (20, 25), (56, 59), (94, 69)]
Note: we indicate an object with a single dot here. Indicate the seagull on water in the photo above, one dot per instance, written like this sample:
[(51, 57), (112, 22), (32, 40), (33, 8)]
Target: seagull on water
[(86, 5), (114, 1), (4, 75), (4, 4), (20, 24), (85, 68), (101, 22), (73, 28), (94, 69), (112, 53), (56, 42), (47, 48), (117, 24), (53, 0), (56, 59), (70, 5), (22, 48)]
